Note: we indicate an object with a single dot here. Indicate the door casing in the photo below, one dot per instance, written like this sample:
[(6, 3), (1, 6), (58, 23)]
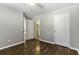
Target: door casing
[(62, 29)]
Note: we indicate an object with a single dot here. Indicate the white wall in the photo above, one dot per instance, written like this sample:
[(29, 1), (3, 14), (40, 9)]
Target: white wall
[(74, 27), (46, 26), (11, 26), (47, 22)]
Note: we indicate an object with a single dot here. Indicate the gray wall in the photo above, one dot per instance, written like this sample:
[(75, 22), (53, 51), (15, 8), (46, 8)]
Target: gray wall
[(11, 26), (74, 27), (47, 25)]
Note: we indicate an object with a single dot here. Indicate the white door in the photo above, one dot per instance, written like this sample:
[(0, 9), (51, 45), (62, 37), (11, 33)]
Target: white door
[(62, 29), (29, 29)]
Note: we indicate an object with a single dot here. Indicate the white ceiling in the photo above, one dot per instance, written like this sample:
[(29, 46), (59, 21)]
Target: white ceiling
[(38, 8)]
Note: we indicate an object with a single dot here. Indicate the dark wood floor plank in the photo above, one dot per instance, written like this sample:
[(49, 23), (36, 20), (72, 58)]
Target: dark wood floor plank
[(45, 49)]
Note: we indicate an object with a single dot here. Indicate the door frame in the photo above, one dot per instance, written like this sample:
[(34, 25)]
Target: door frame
[(68, 25)]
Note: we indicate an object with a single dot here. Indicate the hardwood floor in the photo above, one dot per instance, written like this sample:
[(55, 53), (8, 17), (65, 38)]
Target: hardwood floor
[(35, 47), (14, 50)]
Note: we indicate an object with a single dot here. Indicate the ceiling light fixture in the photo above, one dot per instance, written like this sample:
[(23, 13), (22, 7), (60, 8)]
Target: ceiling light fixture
[(31, 4)]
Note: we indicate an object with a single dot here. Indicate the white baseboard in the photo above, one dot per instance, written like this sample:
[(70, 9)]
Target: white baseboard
[(40, 40), (29, 38), (74, 49), (55, 43), (78, 52), (47, 41), (11, 45)]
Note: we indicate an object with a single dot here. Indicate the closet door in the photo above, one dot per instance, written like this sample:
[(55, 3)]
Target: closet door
[(62, 29)]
